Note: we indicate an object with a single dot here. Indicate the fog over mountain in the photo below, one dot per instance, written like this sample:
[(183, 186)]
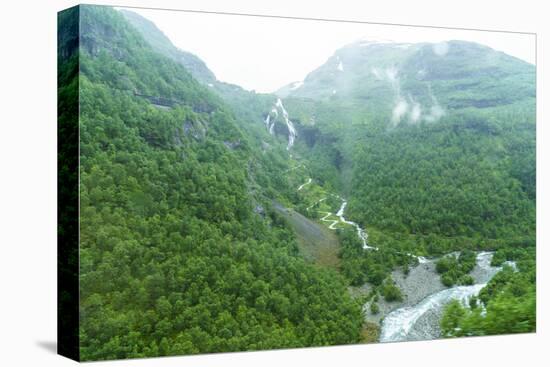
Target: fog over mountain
[(279, 51)]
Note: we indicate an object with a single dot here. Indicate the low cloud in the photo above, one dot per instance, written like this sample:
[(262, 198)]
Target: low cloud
[(441, 48)]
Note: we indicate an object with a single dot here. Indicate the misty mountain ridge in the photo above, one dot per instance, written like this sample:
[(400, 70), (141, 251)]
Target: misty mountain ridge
[(407, 82), (418, 81)]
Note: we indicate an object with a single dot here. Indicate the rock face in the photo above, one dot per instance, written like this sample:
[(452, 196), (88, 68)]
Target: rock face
[(422, 281), (232, 144), (196, 130), (258, 209)]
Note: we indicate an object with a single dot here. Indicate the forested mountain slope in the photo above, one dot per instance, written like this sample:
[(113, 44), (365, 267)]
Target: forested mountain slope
[(174, 259), (427, 139), (250, 107), (433, 145), (458, 74)]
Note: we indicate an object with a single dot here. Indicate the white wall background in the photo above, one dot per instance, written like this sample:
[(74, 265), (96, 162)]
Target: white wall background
[(28, 184)]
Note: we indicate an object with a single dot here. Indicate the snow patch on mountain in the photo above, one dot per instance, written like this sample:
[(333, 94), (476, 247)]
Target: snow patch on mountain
[(369, 42), (340, 66), (296, 85), (403, 46)]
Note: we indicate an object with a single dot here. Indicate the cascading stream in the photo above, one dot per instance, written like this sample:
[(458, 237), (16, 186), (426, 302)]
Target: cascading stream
[(270, 120), (290, 126), (400, 325), (361, 233)]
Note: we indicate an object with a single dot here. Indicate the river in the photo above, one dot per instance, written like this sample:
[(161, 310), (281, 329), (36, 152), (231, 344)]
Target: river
[(418, 321), (419, 318), (421, 321)]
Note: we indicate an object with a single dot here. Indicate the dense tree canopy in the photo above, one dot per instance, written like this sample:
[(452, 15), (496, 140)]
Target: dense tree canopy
[(181, 249), (173, 258), (506, 305)]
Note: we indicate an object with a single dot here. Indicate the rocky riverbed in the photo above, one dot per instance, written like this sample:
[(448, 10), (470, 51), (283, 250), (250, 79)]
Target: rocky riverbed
[(421, 281), (417, 316), (421, 321)]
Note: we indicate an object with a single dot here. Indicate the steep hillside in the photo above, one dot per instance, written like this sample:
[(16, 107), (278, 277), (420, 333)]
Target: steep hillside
[(161, 44), (434, 142), (248, 106), (179, 254)]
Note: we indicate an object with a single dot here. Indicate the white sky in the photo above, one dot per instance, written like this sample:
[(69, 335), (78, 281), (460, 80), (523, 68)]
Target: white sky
[(264, 54)]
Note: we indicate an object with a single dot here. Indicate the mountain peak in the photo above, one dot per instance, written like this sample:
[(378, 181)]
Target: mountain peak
[(457, 74)]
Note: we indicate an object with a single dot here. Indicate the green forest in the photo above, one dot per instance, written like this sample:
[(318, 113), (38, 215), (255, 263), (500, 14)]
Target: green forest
[(506, 305), (184, 247), (173, 260)]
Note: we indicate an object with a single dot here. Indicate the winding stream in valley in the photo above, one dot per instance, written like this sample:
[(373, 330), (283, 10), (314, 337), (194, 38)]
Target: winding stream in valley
[(418, 320), (304, 184), (361, 233)]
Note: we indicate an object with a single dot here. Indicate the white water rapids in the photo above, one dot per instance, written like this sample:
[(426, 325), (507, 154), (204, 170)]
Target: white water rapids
[(401, 324), (361, 233), (398, 324)]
